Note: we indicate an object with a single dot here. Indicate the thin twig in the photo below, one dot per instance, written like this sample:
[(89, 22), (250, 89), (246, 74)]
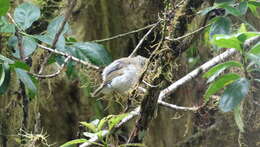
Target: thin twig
[(68, 55), (22, 91), (142, 40), (54, 74), (169, 90), (175, 107), (124, 34), (59, 32), (20, 44), (188, 34)]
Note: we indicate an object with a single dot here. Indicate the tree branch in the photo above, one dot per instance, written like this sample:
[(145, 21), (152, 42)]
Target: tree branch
[(68, 55), (54, 74), (124, 34), (142, 40), (169, 90), (57, 35)]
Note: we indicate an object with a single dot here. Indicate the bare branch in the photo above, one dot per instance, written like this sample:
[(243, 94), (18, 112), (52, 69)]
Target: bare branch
[(68, 55), (169, 90), (20, 44), (175, 107), (188, 34), (124, 34), (54, 74), (142, 40)]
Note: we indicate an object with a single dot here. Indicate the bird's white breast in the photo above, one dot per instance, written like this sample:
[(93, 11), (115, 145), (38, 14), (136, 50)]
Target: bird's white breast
[(126, 80)]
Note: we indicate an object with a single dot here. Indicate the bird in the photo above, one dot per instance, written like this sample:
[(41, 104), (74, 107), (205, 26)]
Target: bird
[(121, 75)]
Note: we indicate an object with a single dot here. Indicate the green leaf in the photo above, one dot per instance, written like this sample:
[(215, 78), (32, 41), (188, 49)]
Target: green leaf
[(221, 67), (221, 25), (5, 26), (29, 46), (90, 126), (255, 49), (102, 123), (238, 119), (242, 37), (93, 52), (255, 59), (226, 41), (253, 9), (232, 10), (242, 28), (25, 14), (5, 76), (26, 79), (5, 59), (5, 4), (115, 119), (242, 7), (20, 64), (54, 26), (234, 94), (73, 142), (220, 83), (255, 3), (48, 39)]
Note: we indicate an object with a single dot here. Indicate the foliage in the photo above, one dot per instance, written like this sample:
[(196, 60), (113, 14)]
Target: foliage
[(234, 86), (24, 16), (98, 129)]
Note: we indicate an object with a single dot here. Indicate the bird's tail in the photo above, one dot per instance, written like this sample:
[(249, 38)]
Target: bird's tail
[(98, 90)]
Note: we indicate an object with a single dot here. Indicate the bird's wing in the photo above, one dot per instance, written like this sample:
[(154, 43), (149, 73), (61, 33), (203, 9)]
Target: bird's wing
[(115, 66)]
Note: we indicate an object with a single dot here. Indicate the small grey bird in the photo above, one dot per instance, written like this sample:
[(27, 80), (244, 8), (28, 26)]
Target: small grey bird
[(121, 75)]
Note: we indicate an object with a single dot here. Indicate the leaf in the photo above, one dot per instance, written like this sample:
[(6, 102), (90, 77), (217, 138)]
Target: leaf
[(5, 76), (25, 14), (255, 3), (242, 37), (54, 26), (29, 46), (73, 142), (242, 28), (234, 94), (90, 126), (26, 79), (232, 10), (221, 67), (242, 7), (221, 25), (93, 52), (220, 83), (115, 119), (20, 64), (238, 119), (255, 59), (5, 4), (48, 39), (5, 59), (226, 41), (255, 49), (253, 9), (6, 27), (101, 123)]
